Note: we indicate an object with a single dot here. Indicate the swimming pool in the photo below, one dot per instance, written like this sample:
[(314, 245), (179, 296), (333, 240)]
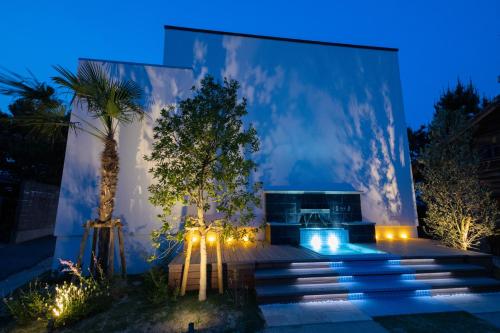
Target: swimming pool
[(332, 241), (344, 249)]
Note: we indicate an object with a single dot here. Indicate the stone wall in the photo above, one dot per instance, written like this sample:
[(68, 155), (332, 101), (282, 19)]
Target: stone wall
[(36, 211)]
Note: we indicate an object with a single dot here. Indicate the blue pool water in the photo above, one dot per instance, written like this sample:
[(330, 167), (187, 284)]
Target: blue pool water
[(343, 249), (332, 241)]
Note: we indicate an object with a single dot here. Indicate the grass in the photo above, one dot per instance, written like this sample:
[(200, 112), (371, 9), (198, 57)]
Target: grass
[(436, 322), (132, 312)]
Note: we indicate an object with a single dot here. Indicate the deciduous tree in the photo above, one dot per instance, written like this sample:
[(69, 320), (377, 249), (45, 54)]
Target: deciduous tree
[(202, 158)]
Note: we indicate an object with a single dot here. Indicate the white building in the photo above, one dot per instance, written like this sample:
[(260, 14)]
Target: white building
[(329, 117)]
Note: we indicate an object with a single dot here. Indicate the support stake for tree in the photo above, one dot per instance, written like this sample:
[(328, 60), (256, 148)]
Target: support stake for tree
[(187, 261), (219, 265), (113, 225)]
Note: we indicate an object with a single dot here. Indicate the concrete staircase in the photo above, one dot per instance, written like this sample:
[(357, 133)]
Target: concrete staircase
[(362, 277)]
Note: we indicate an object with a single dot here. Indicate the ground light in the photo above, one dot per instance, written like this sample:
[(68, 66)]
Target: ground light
[(394, 232), (211, 238)]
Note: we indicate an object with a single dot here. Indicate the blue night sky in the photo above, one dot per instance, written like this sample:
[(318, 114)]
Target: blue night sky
[(439, 41)]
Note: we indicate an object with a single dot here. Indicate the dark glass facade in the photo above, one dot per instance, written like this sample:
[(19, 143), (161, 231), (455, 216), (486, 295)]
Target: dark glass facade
[(332, 209)]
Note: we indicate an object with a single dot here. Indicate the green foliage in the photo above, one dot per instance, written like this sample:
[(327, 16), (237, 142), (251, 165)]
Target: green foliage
[(156, 285), (201, 157), (34, 134), (462, 98), (111, 101), (29, 304), (30, 149), (460, 210), (76, 300), (417, 141)]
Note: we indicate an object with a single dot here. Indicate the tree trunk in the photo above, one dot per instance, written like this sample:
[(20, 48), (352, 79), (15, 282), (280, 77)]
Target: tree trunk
[(202, 296), (187, 261), (219, 266), (109, 181)]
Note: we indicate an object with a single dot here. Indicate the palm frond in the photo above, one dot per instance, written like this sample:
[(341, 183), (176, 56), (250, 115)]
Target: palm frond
[(50, 124), (111, 101), (28, 89)]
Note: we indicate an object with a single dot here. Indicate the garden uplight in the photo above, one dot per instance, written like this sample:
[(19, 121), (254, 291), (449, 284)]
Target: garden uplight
[(245, 238), (211, 238)]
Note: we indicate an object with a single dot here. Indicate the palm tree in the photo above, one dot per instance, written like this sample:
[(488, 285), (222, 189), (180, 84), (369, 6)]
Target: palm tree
[(29, 92), (113, 103)]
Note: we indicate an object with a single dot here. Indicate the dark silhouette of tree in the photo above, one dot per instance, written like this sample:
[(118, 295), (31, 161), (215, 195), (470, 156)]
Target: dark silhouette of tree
[(417, 140), (25, 155)]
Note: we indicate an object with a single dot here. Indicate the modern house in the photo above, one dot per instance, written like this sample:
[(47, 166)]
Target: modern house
[(334, 162), (334, 151)]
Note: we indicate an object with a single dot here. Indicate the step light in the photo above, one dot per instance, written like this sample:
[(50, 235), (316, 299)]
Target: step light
[(394, 262), (423, 292), (355, 296), (334, 264), (346, 278), (407, 277)]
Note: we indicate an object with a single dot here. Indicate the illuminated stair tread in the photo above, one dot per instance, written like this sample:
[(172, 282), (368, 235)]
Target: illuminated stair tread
[(372, 287), (363, 270)]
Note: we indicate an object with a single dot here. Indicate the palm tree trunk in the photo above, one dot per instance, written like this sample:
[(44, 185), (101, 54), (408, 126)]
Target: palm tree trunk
[(109, 181)]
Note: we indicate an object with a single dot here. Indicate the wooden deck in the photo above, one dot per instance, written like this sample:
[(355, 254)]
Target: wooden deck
[(251, 253), (239, 260)]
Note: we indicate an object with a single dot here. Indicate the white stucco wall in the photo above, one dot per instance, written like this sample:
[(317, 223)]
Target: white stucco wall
[(328, 117), (80, 182)]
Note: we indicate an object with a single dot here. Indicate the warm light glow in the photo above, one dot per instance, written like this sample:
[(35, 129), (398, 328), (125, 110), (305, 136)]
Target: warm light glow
[(316, 242), (333, 242), (394, 232), (245, 238), (194, 238), (211, 238), (229, 239)]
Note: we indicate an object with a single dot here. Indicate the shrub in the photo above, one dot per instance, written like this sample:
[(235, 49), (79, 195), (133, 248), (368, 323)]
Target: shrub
[(29, 304), (156, 285), (74, 301)]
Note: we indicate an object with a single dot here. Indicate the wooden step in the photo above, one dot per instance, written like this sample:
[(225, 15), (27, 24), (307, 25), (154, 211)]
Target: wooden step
[(290, 274), (349, 290)]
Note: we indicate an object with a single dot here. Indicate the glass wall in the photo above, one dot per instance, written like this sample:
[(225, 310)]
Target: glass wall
[(312, 209)]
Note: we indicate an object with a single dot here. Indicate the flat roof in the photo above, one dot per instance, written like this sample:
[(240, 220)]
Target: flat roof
[(283, 39), (132, 63)]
